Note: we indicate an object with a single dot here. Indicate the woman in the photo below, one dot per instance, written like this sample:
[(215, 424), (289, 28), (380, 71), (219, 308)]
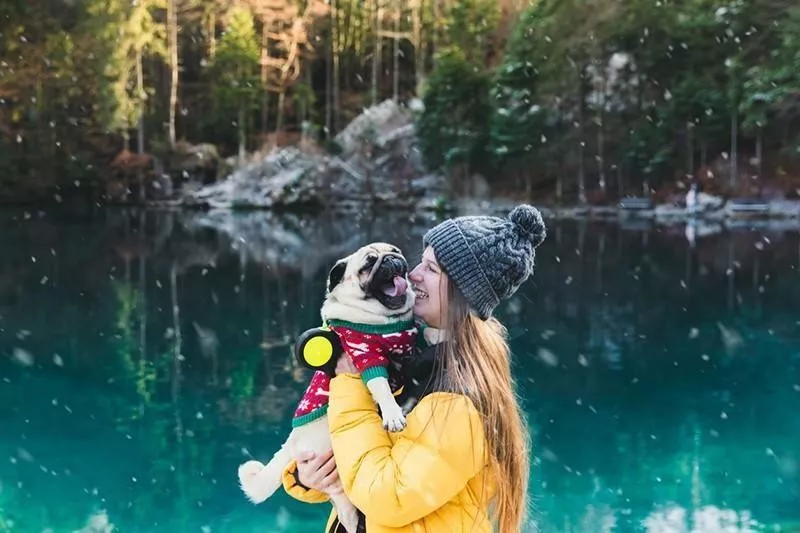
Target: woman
[(462, 462)]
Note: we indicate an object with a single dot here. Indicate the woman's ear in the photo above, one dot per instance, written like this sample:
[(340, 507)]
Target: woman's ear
[(336, 274)]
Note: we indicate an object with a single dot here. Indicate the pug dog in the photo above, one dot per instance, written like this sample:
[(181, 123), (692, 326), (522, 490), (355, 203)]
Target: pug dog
[(368, 303)]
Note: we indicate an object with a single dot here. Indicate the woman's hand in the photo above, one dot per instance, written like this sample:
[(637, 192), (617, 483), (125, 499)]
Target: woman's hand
[(345, 365), (319, 472)]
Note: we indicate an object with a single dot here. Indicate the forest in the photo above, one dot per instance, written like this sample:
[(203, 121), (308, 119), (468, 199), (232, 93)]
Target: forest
[(565, 100)]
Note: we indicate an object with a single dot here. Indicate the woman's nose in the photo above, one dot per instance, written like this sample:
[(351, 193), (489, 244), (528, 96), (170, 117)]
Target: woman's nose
[(414, 275)]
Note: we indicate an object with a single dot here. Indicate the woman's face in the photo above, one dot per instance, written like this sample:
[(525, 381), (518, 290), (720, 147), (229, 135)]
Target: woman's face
[(430, 286)]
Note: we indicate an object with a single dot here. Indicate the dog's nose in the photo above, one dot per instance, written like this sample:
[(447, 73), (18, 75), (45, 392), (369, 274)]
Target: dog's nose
[(397, 264)]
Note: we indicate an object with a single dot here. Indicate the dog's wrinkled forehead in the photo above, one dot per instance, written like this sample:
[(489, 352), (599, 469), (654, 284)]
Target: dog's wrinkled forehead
[(368, 255), (377, 249)]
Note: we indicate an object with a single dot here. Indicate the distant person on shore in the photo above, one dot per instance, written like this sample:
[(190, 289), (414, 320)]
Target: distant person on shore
[(462, 462), (691, 198)]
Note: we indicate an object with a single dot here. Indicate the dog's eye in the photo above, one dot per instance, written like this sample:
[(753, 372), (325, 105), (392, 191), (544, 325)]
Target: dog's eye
[(369, 263)]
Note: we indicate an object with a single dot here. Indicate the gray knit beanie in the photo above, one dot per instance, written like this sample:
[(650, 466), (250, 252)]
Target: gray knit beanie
[(487, 257)]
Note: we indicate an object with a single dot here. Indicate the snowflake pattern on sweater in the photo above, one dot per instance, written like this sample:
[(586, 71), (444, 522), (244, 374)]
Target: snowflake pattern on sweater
[(372, 349)]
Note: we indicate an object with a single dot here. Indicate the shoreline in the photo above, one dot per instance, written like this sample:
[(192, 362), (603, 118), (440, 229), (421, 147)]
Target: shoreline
[(787, 211), (704, 222), (730, 211)]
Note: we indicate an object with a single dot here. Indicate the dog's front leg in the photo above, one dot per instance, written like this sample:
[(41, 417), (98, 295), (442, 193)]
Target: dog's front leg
[(391, 412)]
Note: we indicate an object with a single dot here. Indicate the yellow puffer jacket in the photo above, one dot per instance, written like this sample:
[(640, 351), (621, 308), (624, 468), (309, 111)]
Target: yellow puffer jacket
[(430, 477)]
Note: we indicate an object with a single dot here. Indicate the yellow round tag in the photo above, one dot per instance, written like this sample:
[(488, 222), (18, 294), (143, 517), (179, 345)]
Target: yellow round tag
[(317, 351)]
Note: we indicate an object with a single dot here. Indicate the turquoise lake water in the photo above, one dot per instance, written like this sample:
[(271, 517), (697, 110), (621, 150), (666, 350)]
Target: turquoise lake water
[(144, 355)]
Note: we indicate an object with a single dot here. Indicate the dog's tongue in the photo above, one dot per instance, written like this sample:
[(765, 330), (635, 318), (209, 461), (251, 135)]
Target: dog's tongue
[(398, 287)]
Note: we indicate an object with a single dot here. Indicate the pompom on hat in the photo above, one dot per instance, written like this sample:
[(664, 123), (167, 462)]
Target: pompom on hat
[(488, 257)]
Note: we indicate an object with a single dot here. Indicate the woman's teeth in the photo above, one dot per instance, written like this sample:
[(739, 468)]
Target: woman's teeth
[(421, 295)]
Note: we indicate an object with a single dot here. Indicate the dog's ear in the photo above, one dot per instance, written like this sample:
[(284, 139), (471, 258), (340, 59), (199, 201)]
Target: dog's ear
[(336, 274)]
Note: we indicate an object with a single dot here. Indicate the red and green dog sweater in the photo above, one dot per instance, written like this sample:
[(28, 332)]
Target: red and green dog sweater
[(370, 347)]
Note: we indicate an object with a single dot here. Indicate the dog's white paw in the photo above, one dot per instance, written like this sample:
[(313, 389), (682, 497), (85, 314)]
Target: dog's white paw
[(393, 417), (248, 472)]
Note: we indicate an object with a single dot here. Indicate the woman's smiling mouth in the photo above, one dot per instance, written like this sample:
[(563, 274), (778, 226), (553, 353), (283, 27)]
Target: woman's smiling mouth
[(421, 294)]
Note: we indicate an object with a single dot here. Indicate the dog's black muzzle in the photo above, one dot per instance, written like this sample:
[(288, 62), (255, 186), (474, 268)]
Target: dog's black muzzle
[(383, 273), (392, 265)]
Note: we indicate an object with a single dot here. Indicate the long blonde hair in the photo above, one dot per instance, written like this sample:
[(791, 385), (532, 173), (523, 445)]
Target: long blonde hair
[(476, 362)]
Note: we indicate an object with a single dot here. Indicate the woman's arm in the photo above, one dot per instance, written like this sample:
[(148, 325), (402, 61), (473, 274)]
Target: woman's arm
[(441, 449)]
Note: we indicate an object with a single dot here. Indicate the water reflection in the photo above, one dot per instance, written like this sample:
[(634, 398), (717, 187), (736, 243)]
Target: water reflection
[(708, 518), (145, 354)]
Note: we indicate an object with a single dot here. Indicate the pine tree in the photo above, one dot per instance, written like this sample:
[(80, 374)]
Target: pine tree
[(453, 128), (519, 120), (236, 71)]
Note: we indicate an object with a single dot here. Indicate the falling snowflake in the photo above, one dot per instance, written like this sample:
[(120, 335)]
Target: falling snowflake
[(23, 357)]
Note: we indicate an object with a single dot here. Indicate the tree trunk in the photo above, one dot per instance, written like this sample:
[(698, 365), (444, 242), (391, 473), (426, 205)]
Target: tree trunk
[(304, 114), (344, 26), (561, 160), (329, 51), (581, 143), (689, 150), (759, 152), (559, 188), (640, 109), (734, 149), (280, 115), (376, 55), (419, 52), (264, 73), (601, 163), (703, 153), (528, 186), (396, 54), (140, 122), (242, 135), (212, 34), (172, 28), (435, 29), (336, 59), (126, 177)]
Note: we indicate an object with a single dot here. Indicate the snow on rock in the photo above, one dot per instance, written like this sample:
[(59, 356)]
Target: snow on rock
[(378, 161), (285, 176)]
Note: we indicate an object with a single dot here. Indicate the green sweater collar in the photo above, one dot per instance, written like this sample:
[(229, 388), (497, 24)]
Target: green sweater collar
[(376, 329)]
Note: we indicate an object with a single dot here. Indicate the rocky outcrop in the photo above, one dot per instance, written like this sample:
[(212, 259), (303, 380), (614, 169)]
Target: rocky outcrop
[(284, 177), (198, 161), (377, 161)]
